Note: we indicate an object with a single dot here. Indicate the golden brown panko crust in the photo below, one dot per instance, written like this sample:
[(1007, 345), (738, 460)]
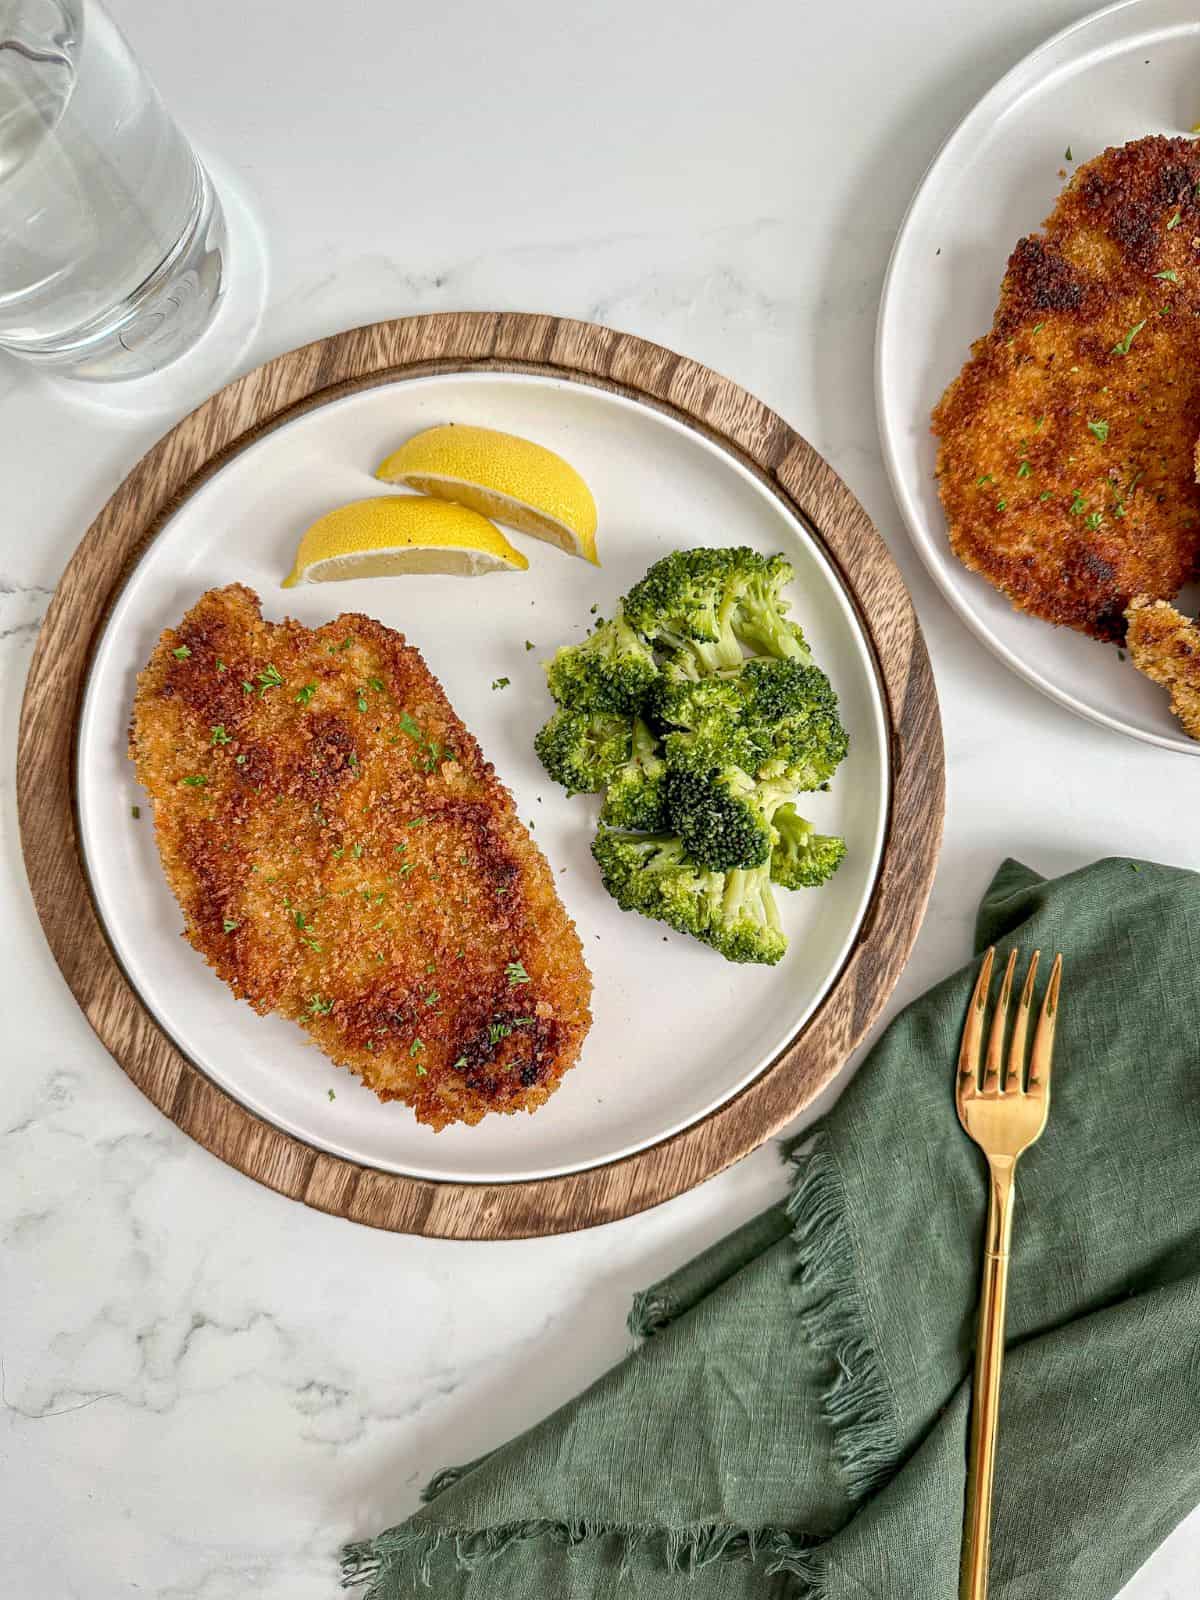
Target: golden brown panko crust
[(1165, 645), (1066, 465), (344, 855)]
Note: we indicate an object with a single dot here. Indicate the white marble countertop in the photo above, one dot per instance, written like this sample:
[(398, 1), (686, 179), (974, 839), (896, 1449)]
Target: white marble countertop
[(206, 1388)]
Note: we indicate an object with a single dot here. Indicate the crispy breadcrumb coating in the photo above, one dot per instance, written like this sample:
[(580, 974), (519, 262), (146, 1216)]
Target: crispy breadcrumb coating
[(344, 855), (1166, 646), (1067, 441)]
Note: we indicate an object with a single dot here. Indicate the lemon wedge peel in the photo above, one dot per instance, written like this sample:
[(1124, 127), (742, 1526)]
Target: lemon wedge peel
[(394, 534), (516, 482)]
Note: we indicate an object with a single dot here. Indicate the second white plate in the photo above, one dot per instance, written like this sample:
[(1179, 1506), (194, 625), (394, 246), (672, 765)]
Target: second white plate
[(1128, 71)]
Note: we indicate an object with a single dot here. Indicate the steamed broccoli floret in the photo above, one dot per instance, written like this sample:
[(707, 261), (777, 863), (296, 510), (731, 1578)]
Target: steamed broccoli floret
[(635, 790), (583, 749), (652, 874), (683, 606), (612, 670), (711, 706), (791, 717), (757, 613), (802, 857), (719, 811), (749, 927)]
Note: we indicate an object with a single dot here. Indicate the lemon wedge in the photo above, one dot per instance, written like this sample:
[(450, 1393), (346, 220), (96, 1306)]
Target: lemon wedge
[(400, 533), (517, 482)]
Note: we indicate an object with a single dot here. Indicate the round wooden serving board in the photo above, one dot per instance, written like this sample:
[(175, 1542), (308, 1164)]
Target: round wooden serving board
[(191, 453)]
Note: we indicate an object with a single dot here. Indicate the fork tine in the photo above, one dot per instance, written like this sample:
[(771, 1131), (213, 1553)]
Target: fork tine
[(995, 1046), (1014, 1078), (1043, 1039), (972, 1038)]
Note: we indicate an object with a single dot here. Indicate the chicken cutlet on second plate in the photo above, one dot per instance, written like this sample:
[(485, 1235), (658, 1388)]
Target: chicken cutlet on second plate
[(1067, 441), (344, 855)]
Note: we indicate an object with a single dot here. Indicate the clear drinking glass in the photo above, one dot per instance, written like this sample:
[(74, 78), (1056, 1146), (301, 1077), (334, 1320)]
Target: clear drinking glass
[(112, 240)]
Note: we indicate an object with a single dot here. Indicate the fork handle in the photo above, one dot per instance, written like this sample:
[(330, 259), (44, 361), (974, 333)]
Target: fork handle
[(989, 1361)]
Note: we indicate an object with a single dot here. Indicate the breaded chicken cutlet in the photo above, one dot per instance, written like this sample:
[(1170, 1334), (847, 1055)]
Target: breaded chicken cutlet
[(1165, 645), (344, 855), (1067, 441)]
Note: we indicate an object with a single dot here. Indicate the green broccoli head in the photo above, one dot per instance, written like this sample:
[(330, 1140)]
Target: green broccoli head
[(757, 611), (611, 670), (791, 719), (721, 813), (802, 857), (583, 749), (634, 798), (682, 606), (712, 705), (748, 928), (652, 874)]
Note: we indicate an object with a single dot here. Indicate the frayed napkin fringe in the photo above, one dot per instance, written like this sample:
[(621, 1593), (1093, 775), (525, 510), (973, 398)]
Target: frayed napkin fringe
[(857, 1403), (650, 1313), (405, 1555)]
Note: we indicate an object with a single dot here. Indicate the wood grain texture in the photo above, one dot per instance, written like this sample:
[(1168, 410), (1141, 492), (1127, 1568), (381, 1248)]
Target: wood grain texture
[(197, 448)]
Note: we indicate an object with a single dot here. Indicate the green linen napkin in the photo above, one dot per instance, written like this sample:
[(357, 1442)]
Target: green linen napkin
[(794, 1422)]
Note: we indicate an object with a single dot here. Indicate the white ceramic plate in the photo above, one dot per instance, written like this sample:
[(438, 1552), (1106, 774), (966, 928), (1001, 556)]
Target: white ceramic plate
[(677, 1030), (1128, 71)]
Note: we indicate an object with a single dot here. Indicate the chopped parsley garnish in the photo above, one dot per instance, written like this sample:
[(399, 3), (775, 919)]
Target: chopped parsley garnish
[(306, 693), (352, 761), (338, 851), (1024, 470), (417, 822), (196, 782), (219, 736), (460, 1063), (422, 1071), (595, 608), (516, 974), (1121, 348), (408, 726), (361, 700), (229, 924), (1045, 495), (220, 665), (979, 482), (1037, 327), (529, 645), (1167, 277), (416, 1047), (268, 678), (1068, 156), (432, 998), (1039, 422), (135, 812), (357, 852), (241, 760), (181, 653), (1078, 504), (1093, 521), (522, 1022), (312, 945), (1100, 429), (332, 1096), (318, 1006), (374, 683), (498, 1031), (1174, 222), (501, 683), (300, 919), (1001, 505), (247, 688)]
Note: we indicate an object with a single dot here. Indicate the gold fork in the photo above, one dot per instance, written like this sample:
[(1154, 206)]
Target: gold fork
[(1004, 1114)]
